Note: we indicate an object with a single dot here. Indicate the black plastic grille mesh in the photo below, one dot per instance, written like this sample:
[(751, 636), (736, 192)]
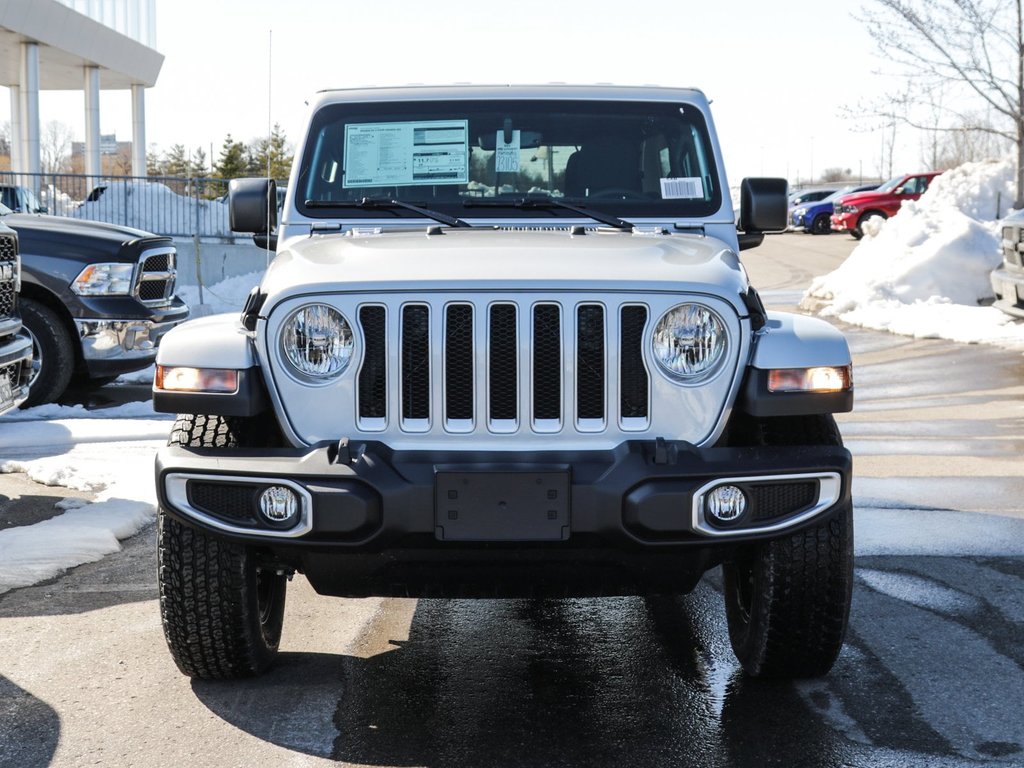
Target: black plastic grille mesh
[(415, 362), (780, 499), (458, 361), (236, 502), (12, 372), (590, 362), (547, 362), (632, 373), (504, 369), (8, 298), (152, 290), (159, 262), (373, 383)]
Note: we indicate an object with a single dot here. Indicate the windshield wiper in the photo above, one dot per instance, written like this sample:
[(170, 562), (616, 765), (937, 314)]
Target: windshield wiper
[(542, 203), (386, 203)]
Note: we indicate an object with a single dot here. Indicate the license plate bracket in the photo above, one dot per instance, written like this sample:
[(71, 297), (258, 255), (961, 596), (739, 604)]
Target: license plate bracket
[(505, 505)]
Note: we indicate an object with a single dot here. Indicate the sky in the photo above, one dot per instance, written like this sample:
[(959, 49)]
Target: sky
[(779, 74)]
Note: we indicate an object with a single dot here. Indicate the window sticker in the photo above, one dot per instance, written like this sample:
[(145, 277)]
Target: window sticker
[(688, 188), (406, 154), (506, 156)]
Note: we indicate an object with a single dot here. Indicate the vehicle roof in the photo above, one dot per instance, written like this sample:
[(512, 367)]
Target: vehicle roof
[(600, 92)]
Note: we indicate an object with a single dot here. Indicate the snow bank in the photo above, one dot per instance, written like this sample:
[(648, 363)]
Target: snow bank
[(109, 452), (154, 207), (923, 272), (228, 295)]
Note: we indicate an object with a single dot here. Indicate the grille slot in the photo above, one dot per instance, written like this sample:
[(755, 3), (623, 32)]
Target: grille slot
[(503, 364), (458, 362), (633, 383), (415, 362), (547, 363), (373, 383), (590, 362)]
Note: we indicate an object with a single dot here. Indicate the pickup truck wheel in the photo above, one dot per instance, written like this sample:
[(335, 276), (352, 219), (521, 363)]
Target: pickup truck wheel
[(53, 357), (222, 610), (787, 601)]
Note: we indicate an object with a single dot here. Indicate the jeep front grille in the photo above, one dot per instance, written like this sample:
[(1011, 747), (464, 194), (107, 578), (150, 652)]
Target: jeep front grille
[(156, 276), (563, 352)]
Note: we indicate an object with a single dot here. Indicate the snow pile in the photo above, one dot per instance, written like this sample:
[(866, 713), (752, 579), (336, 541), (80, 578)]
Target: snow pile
[(228, 295), (923, 272), (154, 207), (109, 452)]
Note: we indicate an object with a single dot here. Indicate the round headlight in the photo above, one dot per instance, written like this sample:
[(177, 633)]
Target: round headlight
[(317, 341), (689, 341)]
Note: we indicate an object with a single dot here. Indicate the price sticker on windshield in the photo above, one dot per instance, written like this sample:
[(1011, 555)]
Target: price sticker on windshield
[(683, 188), (506, 156)]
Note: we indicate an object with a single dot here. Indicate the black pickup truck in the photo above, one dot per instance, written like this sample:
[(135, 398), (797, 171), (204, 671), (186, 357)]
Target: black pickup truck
[(95, 299)]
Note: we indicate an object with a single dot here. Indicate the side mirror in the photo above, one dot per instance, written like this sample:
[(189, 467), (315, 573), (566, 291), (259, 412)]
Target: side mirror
[(252, 205), (763, 205), (899, 191)]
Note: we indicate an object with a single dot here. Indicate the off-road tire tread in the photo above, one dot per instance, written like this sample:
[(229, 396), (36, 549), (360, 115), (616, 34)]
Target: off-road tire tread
[(802, 583), (208, 602)]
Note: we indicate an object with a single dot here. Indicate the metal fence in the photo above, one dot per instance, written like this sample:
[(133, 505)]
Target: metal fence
[(163, 205)]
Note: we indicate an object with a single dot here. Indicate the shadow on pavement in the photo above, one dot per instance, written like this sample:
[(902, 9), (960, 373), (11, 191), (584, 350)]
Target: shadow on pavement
[(29, 728)]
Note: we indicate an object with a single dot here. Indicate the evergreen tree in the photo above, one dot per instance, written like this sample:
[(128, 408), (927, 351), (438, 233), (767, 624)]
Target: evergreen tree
[(271, 156), (176, 161), (197, 165), (154, 162), (232, 163)]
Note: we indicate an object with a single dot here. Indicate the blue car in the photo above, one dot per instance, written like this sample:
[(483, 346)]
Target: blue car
[(815, 217)]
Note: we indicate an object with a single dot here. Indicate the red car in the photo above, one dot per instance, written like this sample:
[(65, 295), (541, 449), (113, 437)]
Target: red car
[(851, 211)]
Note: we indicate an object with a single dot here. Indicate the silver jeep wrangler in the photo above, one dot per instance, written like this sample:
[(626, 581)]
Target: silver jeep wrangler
[(506, 348)]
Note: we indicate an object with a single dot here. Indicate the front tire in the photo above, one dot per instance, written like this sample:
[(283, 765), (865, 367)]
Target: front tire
[(787, 601), (822, 225), (221, 606), (53, 357)]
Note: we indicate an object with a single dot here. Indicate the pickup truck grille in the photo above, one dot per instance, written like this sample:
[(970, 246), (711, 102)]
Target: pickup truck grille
[(542, 363), (156, 276), (8, 279)]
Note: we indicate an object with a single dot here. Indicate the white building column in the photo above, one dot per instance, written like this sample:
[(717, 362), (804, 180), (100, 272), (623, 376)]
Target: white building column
[(30, 111), (138, 130), (15, 128), (92, 122)]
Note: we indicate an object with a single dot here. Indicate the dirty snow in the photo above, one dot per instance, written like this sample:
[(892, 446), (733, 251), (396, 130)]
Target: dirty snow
[(155, 207), (923, 273)]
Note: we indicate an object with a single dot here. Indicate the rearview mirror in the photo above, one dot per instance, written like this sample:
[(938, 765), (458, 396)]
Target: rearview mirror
[(252, 205)]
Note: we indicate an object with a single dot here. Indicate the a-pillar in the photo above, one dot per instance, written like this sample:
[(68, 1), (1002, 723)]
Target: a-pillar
[(92, 122), (30, 112), (138, 130)]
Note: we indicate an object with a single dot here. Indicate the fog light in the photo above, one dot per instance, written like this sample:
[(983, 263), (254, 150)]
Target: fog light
[(279, 504), (726, 503)]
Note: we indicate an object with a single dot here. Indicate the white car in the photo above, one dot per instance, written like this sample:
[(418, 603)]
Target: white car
[(507, 347)]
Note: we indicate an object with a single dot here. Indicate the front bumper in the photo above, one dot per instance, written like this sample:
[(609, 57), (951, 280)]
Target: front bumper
[(114, 346), (15, 370), (627, 521), (1008, 287), (844, 222)]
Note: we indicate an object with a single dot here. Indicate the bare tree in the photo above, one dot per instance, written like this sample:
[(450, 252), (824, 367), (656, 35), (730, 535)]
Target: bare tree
[(958, 47), (55, 147)]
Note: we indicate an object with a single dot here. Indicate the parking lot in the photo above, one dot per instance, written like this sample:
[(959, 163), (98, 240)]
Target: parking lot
[(932, 673)]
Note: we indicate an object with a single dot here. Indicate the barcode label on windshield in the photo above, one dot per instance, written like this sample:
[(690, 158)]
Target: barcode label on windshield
[(689, 188)]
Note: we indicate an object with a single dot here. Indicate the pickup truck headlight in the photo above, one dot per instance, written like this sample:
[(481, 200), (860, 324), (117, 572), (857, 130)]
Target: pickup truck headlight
[(317, 341), (689, 342), (104, 280)]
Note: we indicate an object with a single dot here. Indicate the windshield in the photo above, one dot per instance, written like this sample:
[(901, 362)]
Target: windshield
[(890, 185), (633, 158), (4, 210)]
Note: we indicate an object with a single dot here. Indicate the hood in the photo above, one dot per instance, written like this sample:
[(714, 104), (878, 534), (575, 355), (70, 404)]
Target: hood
[(43, 225), (481, 259), (855, 198)]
